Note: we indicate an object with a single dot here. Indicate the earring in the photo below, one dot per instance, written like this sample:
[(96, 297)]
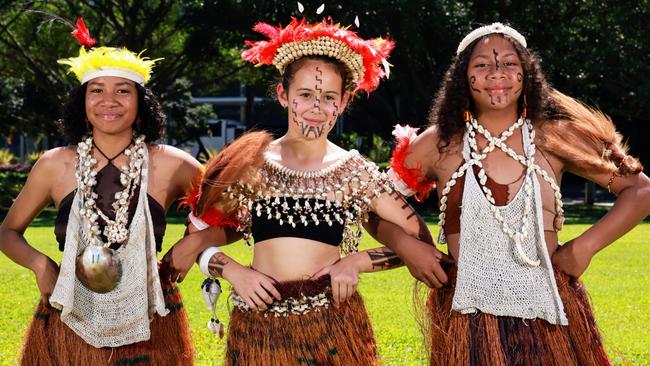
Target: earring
[(467, 116), (524, 105)]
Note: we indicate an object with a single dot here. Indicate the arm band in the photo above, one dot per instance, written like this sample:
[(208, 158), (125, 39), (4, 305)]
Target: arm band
[(205, 257)]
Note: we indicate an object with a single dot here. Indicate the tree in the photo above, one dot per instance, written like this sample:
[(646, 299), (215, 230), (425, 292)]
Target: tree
[(596, 51)]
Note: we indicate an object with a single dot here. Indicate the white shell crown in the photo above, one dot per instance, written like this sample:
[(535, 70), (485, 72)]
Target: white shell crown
[(490, 29)]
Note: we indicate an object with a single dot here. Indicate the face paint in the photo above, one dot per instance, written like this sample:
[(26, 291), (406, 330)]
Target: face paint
[(316, 99), (494, 74), (318, 87), (295, 114), (520, 78), (496, 58), (335, 115), (472, 81)]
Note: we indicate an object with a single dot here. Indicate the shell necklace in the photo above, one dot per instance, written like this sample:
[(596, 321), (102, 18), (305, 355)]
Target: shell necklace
[(97, 267), (476, 157)]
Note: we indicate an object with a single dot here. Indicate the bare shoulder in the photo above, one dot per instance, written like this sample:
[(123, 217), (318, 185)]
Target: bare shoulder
[(423, 151), (336, 153), (55, 160), (172, 156), (273, 151)]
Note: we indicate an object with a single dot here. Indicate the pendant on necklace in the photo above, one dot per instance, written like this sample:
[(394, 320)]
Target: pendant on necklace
[(98, 269)]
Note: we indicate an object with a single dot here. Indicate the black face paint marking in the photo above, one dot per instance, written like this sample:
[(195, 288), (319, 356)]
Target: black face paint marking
[(335, 115), (295, 114), (496, 54), (491, 99), (318, 88), (520, 77), (498, 99), (472, 80), (308, 130)]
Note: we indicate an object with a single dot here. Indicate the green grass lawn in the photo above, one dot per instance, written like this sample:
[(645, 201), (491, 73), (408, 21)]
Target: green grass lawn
[(618, 281)]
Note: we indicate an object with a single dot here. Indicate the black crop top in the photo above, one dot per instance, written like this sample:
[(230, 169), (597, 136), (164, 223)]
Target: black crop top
[(264, 228)]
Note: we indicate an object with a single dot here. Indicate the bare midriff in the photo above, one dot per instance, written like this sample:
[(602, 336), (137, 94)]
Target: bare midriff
[(289, 259)]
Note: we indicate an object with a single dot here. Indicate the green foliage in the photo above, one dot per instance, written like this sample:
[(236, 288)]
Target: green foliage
[(34, 86), (349, 140), (616, 281), (379, 150), (185, 120), (11, 182), (593, 50), (33, 157)]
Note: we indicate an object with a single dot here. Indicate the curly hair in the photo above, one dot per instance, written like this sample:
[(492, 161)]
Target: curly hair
[(454, 97), (594, 143), (73, 124)]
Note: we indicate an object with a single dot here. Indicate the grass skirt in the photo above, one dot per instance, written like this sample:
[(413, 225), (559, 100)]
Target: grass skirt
[(48, 341), (331, 336), (484, 339)]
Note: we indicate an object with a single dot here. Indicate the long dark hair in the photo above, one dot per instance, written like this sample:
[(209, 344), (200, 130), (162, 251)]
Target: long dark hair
[(454, 97), (584, 138), (73, 124)]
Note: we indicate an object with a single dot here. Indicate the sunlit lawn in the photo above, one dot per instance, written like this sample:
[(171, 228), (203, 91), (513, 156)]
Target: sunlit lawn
[(618, 282)]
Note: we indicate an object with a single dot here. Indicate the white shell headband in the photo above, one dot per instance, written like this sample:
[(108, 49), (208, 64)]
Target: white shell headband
[(490, 29)]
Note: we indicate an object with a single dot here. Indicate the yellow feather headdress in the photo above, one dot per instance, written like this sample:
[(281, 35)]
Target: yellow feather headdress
[(106, 61), (110, 61)]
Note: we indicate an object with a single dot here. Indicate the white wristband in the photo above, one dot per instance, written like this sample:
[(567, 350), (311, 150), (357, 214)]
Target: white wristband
[(204, 259), (197, 222)]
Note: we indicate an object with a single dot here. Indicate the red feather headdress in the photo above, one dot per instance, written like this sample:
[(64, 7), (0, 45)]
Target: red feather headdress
[(366, 60)]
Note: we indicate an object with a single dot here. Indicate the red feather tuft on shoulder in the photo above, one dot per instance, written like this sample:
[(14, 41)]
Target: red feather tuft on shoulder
[(190, 198), (211, 216), (413, 177), (216, 217)]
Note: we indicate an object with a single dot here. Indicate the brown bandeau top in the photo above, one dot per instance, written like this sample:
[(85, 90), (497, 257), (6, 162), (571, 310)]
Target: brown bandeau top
[(108, 183), (455, 199)]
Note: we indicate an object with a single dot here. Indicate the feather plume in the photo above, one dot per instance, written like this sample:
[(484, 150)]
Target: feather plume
[(82, 34), (413, 177), (373, 52), (109, 57)]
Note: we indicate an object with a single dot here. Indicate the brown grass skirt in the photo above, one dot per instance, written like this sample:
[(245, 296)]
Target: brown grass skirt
[(332, 336), (48, 341), (484, 339)]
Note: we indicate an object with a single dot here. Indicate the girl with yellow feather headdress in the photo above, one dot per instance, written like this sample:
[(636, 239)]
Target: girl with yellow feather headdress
[(105, 303)]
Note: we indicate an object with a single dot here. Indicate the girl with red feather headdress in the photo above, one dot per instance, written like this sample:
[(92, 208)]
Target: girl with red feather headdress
[(301, 202)]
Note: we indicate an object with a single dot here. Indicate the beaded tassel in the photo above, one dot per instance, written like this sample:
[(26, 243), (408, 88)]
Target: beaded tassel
[(211, 289), (340, 193)]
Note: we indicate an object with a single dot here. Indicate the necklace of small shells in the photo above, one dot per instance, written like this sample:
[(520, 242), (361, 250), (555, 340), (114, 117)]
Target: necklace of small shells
[(116, 231), (476, 158)]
